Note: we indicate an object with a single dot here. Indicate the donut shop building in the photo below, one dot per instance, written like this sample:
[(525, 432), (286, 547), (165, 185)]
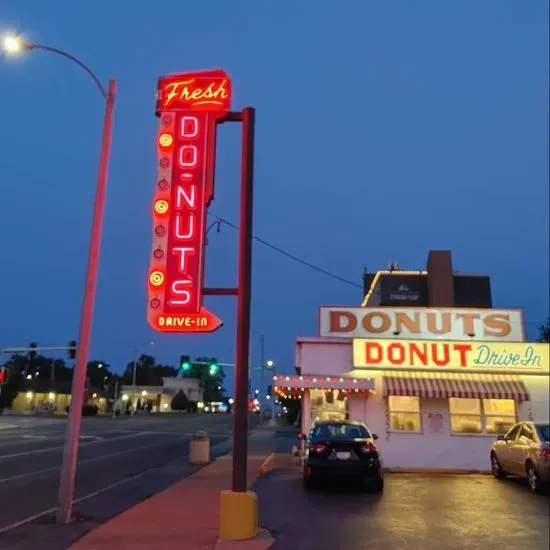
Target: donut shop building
[(437, 385)]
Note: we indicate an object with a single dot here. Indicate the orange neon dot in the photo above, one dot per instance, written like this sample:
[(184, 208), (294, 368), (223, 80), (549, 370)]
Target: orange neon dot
[(156, 278), (161, 206), (165, 140)]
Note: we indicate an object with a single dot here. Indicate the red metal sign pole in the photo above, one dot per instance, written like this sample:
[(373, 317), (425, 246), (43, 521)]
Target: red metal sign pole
[(240, 418)]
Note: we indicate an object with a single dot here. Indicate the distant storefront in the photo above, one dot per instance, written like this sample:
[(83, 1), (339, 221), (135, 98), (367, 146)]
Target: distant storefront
[(436, 384)]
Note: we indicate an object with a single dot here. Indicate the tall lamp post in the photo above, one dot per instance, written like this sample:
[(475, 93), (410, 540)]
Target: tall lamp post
[(14, 44)]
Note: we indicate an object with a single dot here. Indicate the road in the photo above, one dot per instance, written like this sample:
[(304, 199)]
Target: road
[(121, 462), (413, 513)]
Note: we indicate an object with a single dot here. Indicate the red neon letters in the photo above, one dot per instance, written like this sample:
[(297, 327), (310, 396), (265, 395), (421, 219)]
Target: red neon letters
[(189, 106)]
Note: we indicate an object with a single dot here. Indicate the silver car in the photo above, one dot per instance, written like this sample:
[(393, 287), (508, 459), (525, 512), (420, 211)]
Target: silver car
[(524, 451)]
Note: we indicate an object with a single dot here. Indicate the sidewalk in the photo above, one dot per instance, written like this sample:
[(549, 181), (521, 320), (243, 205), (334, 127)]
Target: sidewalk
[(183, 517)]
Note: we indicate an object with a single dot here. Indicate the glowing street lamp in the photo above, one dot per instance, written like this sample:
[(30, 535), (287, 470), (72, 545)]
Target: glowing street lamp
[(13, 44)]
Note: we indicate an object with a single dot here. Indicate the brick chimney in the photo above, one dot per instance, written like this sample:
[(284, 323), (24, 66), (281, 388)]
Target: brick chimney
[(440, 279)]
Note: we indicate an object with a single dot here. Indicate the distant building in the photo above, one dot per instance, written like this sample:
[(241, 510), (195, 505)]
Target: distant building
[(407, 288), (160, 397)]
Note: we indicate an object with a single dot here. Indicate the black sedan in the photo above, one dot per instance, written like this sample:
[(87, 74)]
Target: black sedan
[(343, 449)]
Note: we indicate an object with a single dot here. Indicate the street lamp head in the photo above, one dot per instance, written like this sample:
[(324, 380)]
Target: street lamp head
[(11, 44), (270, 364)]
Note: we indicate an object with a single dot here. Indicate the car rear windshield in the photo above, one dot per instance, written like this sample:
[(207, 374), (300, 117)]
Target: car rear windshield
[(544, 431), (340, 431)]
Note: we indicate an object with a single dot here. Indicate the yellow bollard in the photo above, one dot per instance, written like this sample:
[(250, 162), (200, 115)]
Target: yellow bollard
[(238, 515)]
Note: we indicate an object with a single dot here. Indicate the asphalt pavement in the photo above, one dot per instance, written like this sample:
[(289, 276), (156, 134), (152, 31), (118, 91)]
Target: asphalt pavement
[(413, 513), (121, 462)]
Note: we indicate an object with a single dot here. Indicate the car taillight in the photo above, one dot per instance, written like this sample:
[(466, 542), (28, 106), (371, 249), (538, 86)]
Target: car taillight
[(317, 448), (546, 453), (368, 448)]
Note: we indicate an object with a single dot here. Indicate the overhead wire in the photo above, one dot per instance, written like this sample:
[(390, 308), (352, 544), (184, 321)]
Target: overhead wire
[(288, 254), (297, 259)]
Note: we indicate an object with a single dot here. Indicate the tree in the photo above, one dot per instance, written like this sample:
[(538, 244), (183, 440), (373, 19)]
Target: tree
[(211, 384), (98, 373), (9, 390), (544, 331), (180, 402)]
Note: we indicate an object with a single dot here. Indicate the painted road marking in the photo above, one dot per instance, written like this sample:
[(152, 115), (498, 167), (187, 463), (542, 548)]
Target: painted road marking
[(89, 495), (49, 449)]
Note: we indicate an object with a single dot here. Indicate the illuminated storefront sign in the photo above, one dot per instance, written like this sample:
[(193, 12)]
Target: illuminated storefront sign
[(422, 323), (189, 106), (446, 355)]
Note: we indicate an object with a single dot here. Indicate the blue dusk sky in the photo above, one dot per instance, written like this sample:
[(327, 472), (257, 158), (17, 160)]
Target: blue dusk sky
[(384, 130)]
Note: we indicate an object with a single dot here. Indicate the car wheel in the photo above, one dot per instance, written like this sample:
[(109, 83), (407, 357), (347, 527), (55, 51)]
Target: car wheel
[(533, 478), (495, 467)]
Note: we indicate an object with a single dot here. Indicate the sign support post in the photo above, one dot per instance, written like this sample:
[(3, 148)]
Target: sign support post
[(240, 418)]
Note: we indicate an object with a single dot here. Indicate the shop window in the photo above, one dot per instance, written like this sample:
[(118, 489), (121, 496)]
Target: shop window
[(328, 405), (465, 415), (404, 413), (500, 415), (476, 416)]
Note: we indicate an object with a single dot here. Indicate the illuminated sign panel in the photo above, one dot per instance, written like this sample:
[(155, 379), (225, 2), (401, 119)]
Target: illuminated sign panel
[(451, 355), (418, 323), (189, 106)]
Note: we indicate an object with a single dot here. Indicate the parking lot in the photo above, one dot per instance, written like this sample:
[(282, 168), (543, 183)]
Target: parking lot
[(414, 512)]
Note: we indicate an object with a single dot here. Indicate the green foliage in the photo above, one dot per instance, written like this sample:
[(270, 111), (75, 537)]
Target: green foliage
[(544, 331), (180, 402), (210, 379), (10, 389), (148, 373)]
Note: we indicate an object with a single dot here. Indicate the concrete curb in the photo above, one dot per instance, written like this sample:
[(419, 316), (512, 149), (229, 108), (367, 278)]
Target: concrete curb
[(267, 464)]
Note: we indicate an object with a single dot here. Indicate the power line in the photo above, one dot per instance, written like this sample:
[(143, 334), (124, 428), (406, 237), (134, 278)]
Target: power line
[(309, 264), (289, 255)]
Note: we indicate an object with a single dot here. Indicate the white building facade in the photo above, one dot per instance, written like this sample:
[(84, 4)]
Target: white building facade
[(436, 385)]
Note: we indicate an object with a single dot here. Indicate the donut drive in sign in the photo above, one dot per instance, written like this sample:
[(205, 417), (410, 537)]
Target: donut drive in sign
[(189, 106)]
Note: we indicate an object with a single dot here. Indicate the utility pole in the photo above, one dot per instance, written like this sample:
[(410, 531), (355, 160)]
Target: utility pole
[(134, 376), (262, 369), (115, 398)]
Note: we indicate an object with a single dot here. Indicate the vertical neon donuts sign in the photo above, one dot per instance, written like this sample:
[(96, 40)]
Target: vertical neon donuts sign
[(189, 106)]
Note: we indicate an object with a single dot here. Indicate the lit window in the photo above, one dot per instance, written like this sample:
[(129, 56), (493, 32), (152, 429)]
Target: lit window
[(500, 415), (476, 416), (465, 415), (404, 413)]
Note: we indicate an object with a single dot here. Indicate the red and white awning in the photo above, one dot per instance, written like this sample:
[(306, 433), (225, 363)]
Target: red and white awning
[(463, 386), (323, 383)]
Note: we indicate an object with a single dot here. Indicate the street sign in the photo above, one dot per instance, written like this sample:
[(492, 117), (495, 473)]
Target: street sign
[(189, 106)]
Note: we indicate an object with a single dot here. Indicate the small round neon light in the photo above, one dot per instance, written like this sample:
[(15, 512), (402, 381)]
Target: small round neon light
[(165, 140), (156, 278), (161, 206), (155, 303), (163, 185), (160, 230), (158, 253)]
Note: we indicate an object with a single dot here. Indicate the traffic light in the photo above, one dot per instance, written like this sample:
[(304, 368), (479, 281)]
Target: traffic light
[(185, 363), (3, 375), (32, 351), (214, 369), (72, 349)]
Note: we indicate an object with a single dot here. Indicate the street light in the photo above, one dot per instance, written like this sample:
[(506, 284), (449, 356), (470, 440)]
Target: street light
[(14, 44)]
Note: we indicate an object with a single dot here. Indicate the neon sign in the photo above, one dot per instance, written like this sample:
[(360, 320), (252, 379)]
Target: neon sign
[(189, 105)]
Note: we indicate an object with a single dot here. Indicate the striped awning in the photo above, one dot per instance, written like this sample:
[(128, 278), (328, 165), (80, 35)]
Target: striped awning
[(476, 386)]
